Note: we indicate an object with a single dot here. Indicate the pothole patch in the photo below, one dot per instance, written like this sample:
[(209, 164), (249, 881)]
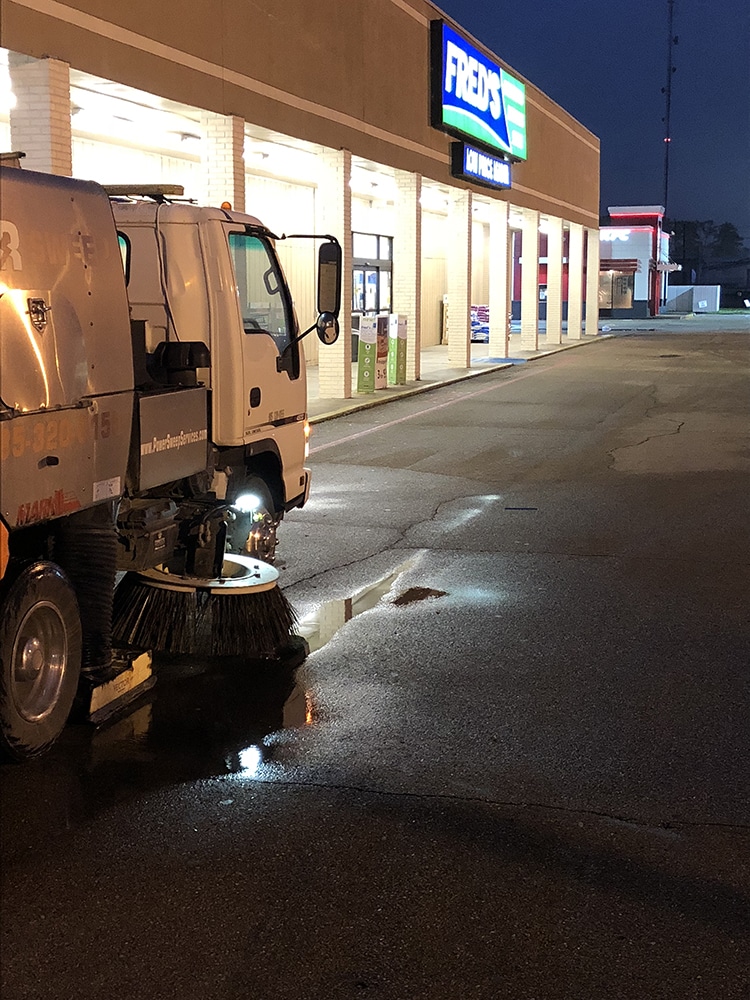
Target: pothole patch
[(415, 594)]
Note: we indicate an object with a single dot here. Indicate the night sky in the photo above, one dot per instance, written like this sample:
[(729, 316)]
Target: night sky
[(606, 63)]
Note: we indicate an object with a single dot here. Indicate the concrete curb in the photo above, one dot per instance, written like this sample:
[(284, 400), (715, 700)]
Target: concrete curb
[(356, 406)]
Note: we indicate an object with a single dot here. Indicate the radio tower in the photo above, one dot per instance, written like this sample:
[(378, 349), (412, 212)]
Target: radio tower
[(667, 91)]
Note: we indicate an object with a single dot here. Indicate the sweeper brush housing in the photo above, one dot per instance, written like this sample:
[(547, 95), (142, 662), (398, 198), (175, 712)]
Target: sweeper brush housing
[(241, 613)]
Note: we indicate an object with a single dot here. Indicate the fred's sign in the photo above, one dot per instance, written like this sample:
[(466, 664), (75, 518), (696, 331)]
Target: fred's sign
[(473, 97)]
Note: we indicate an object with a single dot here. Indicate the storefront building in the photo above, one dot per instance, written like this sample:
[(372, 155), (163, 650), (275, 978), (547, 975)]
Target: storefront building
[(450, 181)]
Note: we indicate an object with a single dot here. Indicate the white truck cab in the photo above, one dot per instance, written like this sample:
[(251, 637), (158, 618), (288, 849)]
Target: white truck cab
[(211, 276)]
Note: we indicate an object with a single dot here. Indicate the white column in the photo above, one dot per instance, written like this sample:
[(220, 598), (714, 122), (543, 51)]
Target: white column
[(554, 279), (333, 215), (458, 263), (40, 121), (499, 280), (530, 280), (592, 282), (575, 282), (407, 266), (223, 160)]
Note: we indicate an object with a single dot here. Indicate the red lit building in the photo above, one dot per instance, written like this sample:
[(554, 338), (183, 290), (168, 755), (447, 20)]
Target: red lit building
[(634, 262)]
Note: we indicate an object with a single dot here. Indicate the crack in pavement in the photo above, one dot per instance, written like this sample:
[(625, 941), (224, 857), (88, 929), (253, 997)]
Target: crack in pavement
[(664, 826)]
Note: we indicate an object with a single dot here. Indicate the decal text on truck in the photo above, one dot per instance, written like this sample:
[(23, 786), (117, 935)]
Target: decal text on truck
[(44, 247), (10, 258), (47, 434), (172, 441), (52, 506)]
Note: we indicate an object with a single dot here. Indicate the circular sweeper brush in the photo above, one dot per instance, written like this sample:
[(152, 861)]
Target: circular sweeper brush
[(241, 613)]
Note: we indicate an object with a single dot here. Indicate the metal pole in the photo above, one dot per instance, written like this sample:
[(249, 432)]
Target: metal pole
[(671, 40)]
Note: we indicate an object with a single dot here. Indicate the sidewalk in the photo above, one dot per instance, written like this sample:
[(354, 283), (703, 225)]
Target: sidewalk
[(436, 370)]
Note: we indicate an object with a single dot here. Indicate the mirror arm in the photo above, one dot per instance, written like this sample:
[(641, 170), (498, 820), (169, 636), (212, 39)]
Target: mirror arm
[(296, 340), (308, 236)]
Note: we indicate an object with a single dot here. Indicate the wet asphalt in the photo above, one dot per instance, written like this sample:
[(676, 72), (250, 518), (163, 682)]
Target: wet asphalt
[(516, 763)]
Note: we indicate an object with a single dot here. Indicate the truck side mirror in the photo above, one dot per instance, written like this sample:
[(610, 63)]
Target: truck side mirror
[(327, 328), (329, 278)]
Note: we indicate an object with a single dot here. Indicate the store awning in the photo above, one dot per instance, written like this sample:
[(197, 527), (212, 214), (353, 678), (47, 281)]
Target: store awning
[(628, 265)]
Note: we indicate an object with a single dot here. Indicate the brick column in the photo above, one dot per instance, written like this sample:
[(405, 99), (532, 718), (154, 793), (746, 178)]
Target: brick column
[(40, 121), (592, 282), (223, 160), (333, 214), (458, 263), (407, 266), (499, 280), (554, 280), (575, 282), (530, 280)]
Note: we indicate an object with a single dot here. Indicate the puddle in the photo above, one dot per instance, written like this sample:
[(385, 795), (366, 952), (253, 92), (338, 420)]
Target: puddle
[(322, 625), (206, 717), (202, 720)]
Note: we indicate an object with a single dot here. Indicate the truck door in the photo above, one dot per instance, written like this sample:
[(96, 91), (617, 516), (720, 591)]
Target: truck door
[(275, 391)]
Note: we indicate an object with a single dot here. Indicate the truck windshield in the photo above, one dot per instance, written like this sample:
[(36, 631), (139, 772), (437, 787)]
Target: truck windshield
[(263, 296)]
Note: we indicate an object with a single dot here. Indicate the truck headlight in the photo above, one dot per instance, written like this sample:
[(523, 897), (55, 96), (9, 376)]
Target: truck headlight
[(246, 503), (308, 430)]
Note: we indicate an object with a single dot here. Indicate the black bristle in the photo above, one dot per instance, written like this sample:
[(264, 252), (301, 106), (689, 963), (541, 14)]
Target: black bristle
[(261, 622), (255, 625)]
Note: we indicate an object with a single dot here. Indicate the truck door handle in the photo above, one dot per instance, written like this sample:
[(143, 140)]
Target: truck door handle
[(255, 397)]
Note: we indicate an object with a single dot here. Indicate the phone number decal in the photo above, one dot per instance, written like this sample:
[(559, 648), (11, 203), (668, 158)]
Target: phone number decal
[(53, 433)]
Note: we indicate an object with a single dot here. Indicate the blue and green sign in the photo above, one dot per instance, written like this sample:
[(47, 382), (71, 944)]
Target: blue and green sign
[(474, 98)]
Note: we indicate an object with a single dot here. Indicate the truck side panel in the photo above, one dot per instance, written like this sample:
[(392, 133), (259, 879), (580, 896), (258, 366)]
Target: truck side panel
[(63, 310), (66, 362), (58, 461), (173, 436)]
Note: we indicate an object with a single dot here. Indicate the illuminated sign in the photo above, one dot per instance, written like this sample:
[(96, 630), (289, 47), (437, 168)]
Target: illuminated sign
[(473, 97), (472, 164)]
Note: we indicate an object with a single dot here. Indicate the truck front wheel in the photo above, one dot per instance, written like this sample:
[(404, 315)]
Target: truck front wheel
[(40, 660)]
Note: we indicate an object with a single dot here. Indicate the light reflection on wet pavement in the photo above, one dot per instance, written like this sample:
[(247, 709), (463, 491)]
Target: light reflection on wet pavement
[(204, 718), (201, 720)]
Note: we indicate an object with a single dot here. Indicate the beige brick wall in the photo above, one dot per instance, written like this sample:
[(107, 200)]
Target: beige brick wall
[(530, 280), (223, 160), (40, 121), (554, 280), (407, 266), (459, 278), (575, 282), (334, 216), (592, 282)]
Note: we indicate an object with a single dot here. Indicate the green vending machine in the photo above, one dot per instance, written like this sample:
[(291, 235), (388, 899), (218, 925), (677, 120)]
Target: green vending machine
[(367, 356), (396, 349), (381, 359)]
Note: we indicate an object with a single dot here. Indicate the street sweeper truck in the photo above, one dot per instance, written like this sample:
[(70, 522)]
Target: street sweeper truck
[(152, 422)]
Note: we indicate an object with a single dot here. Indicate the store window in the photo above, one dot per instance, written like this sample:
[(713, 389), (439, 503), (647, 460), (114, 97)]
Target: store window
[(371, 273), (616, 290)]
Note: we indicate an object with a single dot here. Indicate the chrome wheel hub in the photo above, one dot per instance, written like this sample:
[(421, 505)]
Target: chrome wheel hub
[(40, 656)]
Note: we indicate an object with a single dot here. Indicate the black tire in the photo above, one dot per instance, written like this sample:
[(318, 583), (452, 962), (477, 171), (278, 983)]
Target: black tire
[(261, 525), (40, 660)]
